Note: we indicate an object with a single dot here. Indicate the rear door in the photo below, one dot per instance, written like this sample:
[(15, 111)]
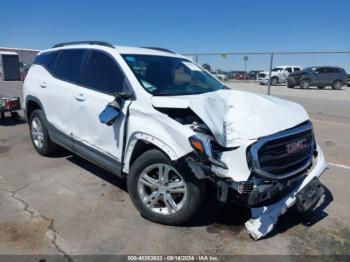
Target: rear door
[(98, 142), (57, 90)]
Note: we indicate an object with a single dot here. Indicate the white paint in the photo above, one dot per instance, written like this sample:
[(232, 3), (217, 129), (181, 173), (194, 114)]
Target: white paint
[(265, 218), (233, 116)]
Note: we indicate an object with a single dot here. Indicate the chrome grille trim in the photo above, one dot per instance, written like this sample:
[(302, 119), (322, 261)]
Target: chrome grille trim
[(254, 151)]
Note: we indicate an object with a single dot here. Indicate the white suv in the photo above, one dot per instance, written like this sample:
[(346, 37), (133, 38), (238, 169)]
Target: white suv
[(168, 126), (279, 74)]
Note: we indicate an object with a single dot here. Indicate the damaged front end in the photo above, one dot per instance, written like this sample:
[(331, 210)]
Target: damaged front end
[(276, 165), (260, 152), (284, 170)]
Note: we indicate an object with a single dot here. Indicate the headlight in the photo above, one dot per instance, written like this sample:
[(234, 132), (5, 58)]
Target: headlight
[(202, 144)]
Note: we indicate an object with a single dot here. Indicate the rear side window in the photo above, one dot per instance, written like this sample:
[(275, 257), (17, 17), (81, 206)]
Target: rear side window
[(296, 69), (68, 64), (322, 70), (336, 70), (44, 59), (103, 74), (289, 70)]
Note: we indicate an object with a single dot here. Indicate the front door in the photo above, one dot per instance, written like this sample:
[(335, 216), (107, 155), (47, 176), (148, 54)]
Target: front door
[(100, 143)]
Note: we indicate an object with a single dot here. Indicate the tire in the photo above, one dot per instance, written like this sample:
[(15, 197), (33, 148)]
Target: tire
[(274, 81), (15, 116), (338, 84), (321, 87), (145, 171), (305, 84), (39, 134), (290, 85)]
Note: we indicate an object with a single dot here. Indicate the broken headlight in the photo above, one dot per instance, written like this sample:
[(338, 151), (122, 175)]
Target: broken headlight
[(203, 144)]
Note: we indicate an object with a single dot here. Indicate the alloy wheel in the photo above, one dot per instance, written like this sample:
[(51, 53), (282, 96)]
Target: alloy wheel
[(162, 189)]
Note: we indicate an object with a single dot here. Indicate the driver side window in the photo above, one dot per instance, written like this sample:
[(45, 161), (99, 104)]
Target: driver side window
[(103, 74)]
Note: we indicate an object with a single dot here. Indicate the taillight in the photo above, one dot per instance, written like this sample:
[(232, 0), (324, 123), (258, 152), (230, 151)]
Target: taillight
[(12, 104)]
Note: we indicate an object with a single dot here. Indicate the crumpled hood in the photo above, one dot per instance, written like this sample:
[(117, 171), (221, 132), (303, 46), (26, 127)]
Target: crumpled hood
[(234, 115)]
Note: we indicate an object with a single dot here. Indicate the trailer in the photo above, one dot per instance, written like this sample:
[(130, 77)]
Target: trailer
[(9, 106)]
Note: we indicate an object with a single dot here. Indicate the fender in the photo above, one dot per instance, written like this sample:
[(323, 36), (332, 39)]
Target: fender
[(34, 99), (134, 138)]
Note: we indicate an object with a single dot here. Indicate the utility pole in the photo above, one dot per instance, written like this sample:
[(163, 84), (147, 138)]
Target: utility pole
[(269, 86), (245, 58)]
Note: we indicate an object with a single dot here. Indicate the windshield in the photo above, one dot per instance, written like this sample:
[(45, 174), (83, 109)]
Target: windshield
[(161, 75), (309, 69), (276, 69)]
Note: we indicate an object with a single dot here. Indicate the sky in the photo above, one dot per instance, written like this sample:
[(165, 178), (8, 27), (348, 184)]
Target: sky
[(188, 27)]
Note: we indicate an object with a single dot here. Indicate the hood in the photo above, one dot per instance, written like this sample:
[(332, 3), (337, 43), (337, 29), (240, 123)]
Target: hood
[(234, 115)]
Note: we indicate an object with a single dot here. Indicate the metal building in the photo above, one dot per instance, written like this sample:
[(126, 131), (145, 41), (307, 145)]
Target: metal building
[(17, 61)]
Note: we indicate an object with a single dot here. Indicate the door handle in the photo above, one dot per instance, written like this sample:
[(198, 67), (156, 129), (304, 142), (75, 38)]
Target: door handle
[(43, 84), (80, 98)]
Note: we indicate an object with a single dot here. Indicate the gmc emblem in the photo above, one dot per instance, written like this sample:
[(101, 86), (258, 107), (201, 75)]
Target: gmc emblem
[(296, 146)]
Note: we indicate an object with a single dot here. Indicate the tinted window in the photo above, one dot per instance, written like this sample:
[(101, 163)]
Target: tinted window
[(322, 70), (288, 69), (44, 59), (103, 74), (296, 69), (68, 64), (335, 70)]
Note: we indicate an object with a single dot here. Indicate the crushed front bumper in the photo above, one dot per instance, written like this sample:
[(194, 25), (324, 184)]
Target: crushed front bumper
[(264, 218)]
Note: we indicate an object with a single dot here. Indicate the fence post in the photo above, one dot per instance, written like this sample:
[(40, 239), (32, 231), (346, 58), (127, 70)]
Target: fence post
[(269, 83)]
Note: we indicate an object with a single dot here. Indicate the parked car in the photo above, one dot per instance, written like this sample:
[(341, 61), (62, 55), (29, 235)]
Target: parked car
[(279, 74), (320, 76), (348, 80), (220, 76), (169, 127), (241, 75), (253, 74)]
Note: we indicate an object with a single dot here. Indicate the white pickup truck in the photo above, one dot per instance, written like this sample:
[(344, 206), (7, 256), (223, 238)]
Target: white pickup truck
[(279, 74)]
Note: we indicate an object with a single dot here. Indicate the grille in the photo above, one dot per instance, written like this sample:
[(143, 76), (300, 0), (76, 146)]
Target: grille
[(284, 154)]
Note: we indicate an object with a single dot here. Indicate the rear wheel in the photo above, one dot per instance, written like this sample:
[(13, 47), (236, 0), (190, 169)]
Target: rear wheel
[(305, 84), (161, 192), (337, 85), (289, 85), (39, 134)]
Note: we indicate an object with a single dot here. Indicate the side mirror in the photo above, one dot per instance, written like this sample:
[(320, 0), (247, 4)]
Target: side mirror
[(113, 109), (109, 114)]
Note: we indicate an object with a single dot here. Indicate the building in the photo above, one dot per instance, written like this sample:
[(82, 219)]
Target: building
[(17, 61)]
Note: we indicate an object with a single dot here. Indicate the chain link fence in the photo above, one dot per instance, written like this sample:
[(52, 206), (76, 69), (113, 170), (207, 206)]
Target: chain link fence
[(306, 70)]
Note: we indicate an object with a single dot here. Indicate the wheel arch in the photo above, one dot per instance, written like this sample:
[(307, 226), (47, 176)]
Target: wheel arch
[(32, 103), (140, 143)]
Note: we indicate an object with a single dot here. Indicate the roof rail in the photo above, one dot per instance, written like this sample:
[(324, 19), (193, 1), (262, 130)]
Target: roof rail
[(85, 42), (159, 49)]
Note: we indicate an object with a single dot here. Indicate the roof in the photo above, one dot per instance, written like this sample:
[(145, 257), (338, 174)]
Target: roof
[(7, 53), (118, 49), (19, 49)]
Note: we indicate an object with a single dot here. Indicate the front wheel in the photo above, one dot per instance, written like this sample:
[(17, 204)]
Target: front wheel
[(274, 81), (305, 84), (162, 192), (337, 85)]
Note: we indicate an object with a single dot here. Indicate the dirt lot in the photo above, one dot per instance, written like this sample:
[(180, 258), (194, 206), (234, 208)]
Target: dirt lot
[(66, 205)]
